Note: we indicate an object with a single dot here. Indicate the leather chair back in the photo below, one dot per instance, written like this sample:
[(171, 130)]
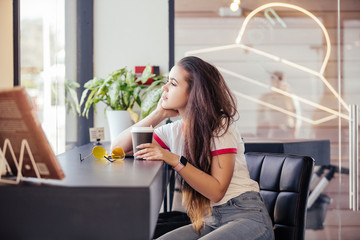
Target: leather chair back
[(284, 181)]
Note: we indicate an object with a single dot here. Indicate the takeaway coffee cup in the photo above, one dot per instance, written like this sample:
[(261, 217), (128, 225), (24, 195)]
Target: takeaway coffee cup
[(141, 135)]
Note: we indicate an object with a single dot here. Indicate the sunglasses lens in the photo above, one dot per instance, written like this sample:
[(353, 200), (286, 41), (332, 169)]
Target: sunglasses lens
[(99, 152), (118, 153)]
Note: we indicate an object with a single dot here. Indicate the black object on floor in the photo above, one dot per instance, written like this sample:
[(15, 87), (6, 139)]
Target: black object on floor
[(316, 214), (169, 221)]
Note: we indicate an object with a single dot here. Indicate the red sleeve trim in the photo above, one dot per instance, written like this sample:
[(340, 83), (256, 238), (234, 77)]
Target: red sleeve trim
[(223, 151), (162, 144)]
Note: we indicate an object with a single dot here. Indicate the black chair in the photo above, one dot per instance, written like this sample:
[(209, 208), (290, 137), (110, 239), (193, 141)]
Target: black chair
[(284, 185)]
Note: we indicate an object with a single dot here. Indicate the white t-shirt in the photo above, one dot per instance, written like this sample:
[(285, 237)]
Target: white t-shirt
[(171, 137)]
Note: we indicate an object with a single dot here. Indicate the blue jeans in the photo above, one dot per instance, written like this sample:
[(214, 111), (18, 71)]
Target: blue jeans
[(242, 217)]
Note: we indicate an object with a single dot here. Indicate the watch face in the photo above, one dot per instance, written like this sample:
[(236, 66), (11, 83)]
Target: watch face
[(183, 161)]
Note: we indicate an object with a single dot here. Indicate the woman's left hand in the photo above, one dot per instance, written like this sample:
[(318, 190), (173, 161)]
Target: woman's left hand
[(150, 151)]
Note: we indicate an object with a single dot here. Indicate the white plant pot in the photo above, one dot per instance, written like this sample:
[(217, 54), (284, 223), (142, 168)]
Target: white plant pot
[(118, 121)]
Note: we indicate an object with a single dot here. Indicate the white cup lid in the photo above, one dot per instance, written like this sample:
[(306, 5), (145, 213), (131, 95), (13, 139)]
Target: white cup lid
[(142, 129)]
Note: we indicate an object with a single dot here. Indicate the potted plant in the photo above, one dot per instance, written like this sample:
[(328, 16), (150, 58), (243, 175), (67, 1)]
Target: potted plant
[(121, 91)]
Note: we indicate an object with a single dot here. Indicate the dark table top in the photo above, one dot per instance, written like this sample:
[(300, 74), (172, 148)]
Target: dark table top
[(97, 199), (92, 172)]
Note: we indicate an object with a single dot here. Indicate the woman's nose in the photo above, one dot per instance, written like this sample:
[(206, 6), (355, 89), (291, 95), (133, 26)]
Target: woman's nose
[(165, 87)]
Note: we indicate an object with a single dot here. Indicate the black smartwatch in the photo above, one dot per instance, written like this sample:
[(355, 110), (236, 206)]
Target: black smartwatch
[(182, 163)]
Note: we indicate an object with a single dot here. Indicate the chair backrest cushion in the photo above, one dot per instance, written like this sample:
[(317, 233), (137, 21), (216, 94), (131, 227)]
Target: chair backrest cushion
[(284, 185)]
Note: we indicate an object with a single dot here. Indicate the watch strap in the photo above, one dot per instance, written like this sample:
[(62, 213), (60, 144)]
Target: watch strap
[(181, 164)]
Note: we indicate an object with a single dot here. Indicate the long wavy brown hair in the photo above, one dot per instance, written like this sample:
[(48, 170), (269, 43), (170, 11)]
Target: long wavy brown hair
[(210, 110)]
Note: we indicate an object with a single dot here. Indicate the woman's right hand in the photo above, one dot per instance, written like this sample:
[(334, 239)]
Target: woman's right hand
[(160, 114)]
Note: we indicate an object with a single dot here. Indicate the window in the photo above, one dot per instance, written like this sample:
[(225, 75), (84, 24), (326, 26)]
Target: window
[(42, 44)]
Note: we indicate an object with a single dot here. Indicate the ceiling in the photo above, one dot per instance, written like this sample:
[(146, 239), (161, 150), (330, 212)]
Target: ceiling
[(210, 8)]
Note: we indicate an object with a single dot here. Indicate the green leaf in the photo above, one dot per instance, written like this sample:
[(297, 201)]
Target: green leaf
[(137, 92), (153, 85), (104, 87), (71, 84), (130, 78), (126, 98), (161, 77), (88, 103), (133, 85), (88, 84), (146, 74), (75, 100), (71, 98), (138, 101), (94, 83), (83, 96), (114, 93), (150, 102)]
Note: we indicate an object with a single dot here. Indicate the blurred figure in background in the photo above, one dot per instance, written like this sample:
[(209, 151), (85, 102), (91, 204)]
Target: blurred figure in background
[(272, 123)]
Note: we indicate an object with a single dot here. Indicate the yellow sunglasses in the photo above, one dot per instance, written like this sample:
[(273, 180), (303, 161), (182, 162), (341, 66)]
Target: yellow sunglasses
[(100, 153)]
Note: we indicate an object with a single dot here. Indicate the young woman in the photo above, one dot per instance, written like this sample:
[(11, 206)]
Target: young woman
[(208, 153)]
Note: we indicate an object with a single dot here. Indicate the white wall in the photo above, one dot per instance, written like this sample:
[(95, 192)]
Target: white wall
[(128, 33), (6, 44)]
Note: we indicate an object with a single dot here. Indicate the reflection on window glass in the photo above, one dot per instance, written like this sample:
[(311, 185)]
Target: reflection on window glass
[(274, 59), (42, 64)]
